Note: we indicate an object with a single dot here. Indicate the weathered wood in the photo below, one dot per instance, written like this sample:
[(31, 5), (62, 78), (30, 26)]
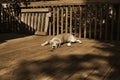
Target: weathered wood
[(35, 10), (28, 21), (66, 20), (42, 22), (85, 32), (68, 2), (35, 21), (54, 21), (50, 28), (80, 22), (61, 19), (39, 21), (71, 10), (75, 21), (58, 21), (47, 22)]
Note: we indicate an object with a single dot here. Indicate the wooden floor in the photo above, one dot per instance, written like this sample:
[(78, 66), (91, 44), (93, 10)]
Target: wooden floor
[(23, 58)]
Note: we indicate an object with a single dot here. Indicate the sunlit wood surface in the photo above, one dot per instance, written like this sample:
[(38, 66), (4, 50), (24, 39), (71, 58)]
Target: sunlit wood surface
[(23, 58)]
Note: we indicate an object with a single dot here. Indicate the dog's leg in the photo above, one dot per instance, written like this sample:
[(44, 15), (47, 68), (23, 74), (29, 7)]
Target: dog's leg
[(78, 41), (45, 43)]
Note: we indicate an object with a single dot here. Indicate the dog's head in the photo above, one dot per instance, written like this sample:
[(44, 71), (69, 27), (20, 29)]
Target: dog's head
[(54, 44)]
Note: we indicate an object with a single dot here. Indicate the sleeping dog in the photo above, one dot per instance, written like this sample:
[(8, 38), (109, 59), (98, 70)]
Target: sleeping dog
[(56, 41)]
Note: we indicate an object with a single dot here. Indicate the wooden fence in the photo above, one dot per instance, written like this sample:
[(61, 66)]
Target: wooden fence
[(84, 20)]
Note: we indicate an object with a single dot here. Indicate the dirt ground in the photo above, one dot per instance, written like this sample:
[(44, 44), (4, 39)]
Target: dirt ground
[(23, 58)]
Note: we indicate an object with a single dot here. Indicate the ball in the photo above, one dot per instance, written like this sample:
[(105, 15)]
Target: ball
[(68, 44)]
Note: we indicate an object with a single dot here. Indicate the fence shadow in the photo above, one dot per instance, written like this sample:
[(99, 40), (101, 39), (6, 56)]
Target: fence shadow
[(64, 68), (114, 60), (56, 68), (17, 32)]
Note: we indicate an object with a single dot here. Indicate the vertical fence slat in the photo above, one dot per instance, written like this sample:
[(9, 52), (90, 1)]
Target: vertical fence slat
[(50, 28), (90, 27), (46, 22), (54, 21), (42, 22), (66, 26), (29, 21), (75, 18), (57, 20), (35, 21), (39, 21), (85, 23), (61, 19), (32, 21), (27, 26), (71, 19)]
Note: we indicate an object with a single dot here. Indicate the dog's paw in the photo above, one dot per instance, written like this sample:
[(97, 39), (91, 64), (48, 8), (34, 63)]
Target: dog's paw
[(68, 44), (79, 41), (42, 45)]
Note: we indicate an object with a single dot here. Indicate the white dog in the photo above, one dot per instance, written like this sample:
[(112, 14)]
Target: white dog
[(56, 41)]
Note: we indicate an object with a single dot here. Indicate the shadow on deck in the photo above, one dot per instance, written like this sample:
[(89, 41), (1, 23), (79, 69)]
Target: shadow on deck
[(92, 60)]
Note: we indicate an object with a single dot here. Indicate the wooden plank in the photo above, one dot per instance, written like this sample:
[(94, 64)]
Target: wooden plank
[(61, 19), (32, 21), (66, 20), (39, 22), (50, 28), (80, 22), (29, 21), (42, 21), (58, 21), (55, 3), (75, 21), (71, 10), (26, 21), (85, 32), (47, 21), (35, 21), (30, 15), (54, 21), (35, 10), (67, 2)]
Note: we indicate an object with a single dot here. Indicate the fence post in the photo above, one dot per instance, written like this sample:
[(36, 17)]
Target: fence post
[(71, 19), (61, 19), (66, 28), (54, 21), (58, 20)]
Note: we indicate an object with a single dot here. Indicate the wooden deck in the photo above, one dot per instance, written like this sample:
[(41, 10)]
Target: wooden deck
[(23, 58)]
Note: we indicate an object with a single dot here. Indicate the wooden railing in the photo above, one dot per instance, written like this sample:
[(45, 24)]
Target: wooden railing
[(85, 19)]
